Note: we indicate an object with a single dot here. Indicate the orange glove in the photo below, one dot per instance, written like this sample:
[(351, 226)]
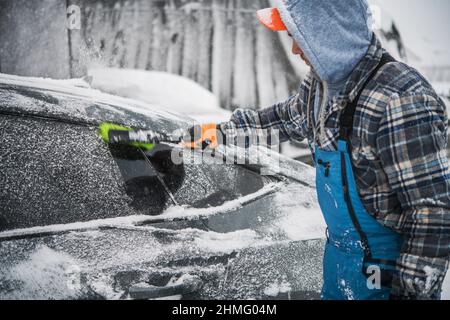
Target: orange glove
[(203, 137)]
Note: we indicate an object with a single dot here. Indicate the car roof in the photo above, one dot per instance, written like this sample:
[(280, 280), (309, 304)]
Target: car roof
[(75, 100)]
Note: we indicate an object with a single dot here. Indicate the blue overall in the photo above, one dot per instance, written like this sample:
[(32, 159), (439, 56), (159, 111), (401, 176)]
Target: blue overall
[(357, 246)]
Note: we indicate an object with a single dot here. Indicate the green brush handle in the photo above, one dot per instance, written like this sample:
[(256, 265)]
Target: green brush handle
[(117, 134)]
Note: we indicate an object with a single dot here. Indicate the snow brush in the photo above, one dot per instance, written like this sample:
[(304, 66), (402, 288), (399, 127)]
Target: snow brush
[(144, 139), (147, 139)]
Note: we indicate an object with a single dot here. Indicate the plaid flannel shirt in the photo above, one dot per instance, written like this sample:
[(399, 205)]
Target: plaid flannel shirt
[(399, 158)]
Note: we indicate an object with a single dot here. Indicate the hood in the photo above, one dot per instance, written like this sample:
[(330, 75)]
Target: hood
[(334, 35)]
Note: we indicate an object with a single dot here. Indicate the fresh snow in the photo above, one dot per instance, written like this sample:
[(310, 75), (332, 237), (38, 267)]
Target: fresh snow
[(172, 92), (44, 83), (299, 219), (194, 213), (274, 289), (82, 90), (296, 223), (48, 272), (230, 242), (171, 213)]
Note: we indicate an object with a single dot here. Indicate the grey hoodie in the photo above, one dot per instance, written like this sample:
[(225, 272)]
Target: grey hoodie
[(334, 35)]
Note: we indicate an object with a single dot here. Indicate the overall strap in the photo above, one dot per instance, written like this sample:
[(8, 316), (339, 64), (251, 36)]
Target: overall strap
[(346, 129), (347, 117)]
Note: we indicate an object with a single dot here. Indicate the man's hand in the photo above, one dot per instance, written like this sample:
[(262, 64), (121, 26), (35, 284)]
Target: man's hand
[(203, 137)]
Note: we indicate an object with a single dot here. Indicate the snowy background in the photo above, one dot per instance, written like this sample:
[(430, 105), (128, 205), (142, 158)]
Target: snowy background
[(216, 43)]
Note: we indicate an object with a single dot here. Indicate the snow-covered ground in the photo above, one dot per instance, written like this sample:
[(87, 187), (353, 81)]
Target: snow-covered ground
[(172, 92)]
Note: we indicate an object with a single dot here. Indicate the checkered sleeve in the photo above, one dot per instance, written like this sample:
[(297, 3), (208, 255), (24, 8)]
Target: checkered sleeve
[(412, 142), (287, 118)]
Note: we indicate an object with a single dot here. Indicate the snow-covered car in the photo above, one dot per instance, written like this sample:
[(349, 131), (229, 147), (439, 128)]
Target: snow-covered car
[(81, 219)]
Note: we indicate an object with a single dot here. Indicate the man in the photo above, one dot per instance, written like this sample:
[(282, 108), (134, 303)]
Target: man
[(378, 134)]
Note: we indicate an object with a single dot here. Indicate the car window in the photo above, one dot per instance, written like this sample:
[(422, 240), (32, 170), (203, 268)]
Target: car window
[(212, 184), (152, 178), (54, 172)]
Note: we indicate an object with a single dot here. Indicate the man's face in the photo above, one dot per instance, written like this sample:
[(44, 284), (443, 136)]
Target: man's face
[(297, 51)]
